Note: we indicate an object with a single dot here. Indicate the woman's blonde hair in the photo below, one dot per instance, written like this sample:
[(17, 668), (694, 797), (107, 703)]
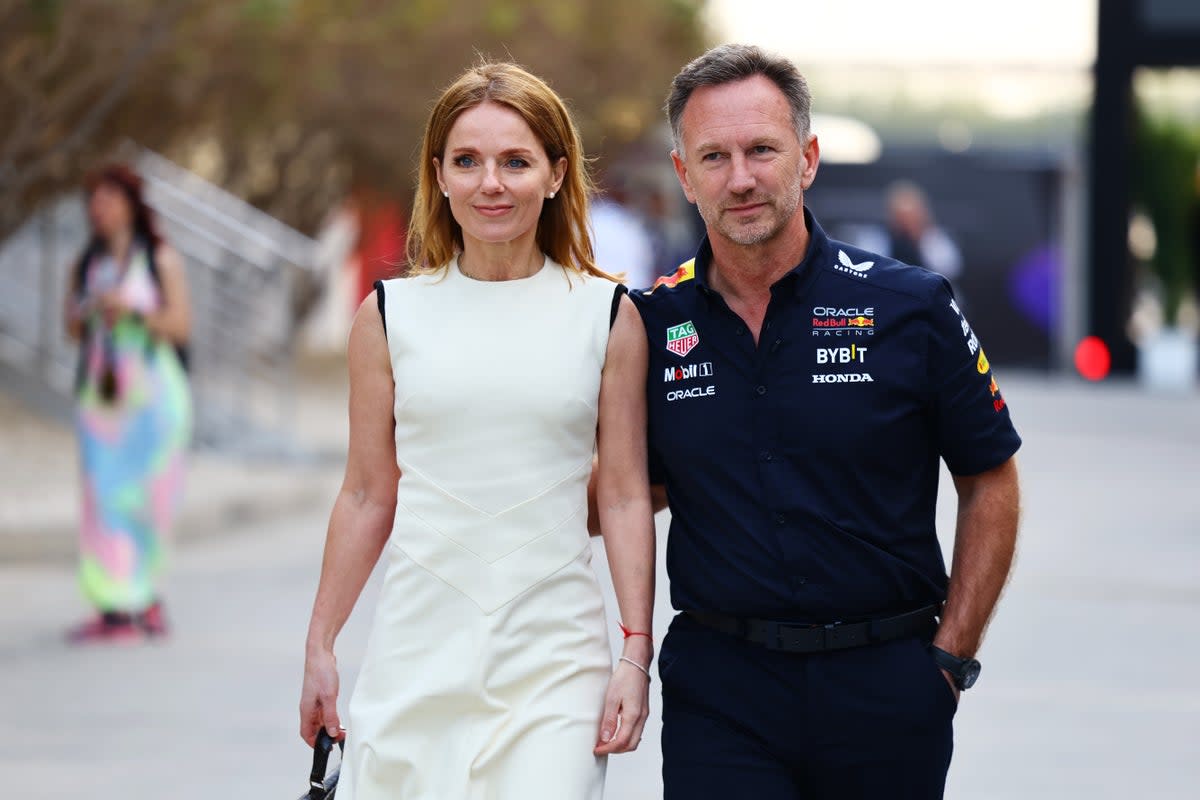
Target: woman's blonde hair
[(562, 233)]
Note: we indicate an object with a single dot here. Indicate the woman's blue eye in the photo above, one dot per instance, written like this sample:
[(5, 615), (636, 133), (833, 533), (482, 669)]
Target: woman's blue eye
[(464, 161), (517, 163)]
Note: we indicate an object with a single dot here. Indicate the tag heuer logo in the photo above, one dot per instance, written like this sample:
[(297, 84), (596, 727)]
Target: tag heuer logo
[(682, 338)]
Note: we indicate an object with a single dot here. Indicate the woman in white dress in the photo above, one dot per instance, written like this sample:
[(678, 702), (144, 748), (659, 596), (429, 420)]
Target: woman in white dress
[(480, 387)]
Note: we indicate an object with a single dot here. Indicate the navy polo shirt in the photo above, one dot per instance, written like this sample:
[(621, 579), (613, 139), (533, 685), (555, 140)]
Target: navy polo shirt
[(802, 473)]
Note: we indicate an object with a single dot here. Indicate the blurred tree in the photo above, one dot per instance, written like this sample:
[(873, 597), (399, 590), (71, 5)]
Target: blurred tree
[(289, 103), (1165, 159), (63, 74)]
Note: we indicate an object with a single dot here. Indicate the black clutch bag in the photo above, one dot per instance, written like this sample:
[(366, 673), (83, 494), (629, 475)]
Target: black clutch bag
[(320, 785)]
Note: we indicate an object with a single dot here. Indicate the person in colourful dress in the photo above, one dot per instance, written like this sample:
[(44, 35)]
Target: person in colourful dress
[(127, 306)]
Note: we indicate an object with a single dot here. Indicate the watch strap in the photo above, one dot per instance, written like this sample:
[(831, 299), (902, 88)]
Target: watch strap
[(956, 666)]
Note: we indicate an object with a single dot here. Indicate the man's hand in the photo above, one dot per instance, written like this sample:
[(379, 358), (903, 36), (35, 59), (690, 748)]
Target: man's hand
[(950, 680)]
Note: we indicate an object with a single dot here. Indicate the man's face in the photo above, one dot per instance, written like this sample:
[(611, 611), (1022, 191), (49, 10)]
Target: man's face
[(743, 164)]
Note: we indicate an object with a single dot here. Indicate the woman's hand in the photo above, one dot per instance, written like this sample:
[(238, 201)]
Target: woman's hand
[(626, 707), (112, 306), (318, 698)]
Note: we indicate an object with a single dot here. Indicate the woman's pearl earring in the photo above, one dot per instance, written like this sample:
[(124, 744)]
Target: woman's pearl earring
[(551, 195), (445, 193)]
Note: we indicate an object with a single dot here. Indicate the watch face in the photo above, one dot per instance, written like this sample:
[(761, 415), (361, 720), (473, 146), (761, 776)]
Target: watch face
[(970, 674)]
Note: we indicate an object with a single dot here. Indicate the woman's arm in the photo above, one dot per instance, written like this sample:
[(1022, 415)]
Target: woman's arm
[(173, 320), (72, 310), (658, 501), (627, 519), (362, 516)]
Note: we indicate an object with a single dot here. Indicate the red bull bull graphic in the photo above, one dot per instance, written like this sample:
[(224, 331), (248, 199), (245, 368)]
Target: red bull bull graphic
[(686, 271)]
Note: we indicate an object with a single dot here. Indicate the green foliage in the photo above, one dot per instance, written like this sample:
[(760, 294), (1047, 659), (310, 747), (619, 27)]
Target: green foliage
[(45, 13), (1165, 163), (266, 12)]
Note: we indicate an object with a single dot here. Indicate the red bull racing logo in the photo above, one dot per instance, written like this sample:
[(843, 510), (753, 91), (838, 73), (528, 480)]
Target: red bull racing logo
[(830, 321)]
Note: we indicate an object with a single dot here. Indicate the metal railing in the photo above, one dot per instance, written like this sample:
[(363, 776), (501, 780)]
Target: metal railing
[(243, 268)]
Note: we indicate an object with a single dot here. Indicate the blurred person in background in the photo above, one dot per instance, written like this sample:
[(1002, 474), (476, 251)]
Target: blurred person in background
[(480, 386), (802, 393), (673, 234), (912, 236), (127, 306), (621, 238)]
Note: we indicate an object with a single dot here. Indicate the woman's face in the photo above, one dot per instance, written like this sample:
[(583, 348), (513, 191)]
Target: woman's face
[(109, 210), (497, 174)]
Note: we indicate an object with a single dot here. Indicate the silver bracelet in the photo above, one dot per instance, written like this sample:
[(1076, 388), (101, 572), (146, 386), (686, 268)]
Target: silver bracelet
[(644, 670)]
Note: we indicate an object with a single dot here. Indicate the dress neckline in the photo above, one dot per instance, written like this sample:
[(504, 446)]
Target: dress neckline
[(546, 262)]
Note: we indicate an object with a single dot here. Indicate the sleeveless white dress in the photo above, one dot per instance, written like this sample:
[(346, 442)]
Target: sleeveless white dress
[(488, 658)]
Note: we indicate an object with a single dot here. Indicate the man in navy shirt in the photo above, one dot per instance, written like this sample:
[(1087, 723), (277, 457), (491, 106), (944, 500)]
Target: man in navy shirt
[(801, 394)]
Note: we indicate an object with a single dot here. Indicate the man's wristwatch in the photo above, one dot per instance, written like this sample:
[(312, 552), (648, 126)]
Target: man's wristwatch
[(964, 671)]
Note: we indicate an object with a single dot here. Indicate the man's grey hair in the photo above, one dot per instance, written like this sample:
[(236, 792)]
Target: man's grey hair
[(728, 63)]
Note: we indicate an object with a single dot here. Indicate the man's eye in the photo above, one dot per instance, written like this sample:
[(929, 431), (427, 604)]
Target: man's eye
[(762, 149), (710, 157)]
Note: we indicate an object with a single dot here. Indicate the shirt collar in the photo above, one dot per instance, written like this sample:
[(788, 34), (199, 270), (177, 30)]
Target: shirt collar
[(798, 277)]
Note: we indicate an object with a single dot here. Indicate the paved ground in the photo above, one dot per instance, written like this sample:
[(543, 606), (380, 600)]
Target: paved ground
[(1089, 687)]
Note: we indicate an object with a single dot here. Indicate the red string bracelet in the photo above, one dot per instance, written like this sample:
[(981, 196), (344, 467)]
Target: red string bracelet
[(627, 633)]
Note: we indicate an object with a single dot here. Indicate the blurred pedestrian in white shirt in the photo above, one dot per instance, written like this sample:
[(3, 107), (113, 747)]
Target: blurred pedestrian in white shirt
[(622, 241)]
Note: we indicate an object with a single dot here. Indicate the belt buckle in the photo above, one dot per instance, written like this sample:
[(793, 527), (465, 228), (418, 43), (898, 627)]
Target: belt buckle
[(773, 635)]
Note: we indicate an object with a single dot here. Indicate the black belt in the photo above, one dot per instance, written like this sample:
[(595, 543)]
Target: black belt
[(793, 637)]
